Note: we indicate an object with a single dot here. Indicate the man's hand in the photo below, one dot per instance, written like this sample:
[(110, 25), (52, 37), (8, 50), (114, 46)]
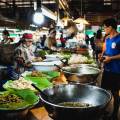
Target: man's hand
[(107, 59), (101, 57)]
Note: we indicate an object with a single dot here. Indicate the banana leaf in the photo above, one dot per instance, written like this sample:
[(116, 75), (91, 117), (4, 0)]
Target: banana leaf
[(41, 82), (28, 97), (45, 76), (48, 74), (52, 74), (8, 86)]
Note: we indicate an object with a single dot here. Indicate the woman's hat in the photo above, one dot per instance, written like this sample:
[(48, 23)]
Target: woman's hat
[(28, 37)]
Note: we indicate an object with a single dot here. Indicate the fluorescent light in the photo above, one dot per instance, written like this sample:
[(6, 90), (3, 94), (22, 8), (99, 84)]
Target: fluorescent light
[(48, 13)]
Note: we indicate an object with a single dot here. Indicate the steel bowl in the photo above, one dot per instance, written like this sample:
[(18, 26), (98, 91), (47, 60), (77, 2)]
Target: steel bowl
[(97, 97), (81, 73)]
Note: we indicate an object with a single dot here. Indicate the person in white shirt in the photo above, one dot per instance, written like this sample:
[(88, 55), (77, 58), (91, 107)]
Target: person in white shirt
[(23, 56)]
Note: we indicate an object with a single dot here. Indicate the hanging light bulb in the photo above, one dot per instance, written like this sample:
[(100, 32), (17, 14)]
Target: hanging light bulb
[(38, 17)]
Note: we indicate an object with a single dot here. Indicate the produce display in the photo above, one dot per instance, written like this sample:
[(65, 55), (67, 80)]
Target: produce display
[(79, 59), (41, 79), (21, 94), (37, 74), (8, 101), (17, 99), (10, 98), (19, 84), (73, 58), (42, 53)]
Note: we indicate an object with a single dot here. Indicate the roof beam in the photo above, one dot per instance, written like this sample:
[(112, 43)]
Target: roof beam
[(6, 3)]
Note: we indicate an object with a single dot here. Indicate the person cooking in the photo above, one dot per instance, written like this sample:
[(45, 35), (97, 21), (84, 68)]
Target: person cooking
[(23, 56), (111, 73)]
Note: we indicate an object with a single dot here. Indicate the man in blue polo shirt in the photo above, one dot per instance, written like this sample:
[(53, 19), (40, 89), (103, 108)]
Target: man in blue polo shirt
[(111, 74)]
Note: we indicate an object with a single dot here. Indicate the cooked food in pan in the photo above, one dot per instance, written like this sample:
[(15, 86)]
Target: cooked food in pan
[(75, 104)]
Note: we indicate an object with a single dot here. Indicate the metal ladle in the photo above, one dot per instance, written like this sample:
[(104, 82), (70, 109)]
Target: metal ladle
[(47, 97)]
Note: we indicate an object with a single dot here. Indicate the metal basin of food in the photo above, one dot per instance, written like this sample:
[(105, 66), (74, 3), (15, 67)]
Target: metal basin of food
[(96, 97), (81, 73)]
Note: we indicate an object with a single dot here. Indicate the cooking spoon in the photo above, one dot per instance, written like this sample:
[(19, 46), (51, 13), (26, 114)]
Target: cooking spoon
[(47, 97)]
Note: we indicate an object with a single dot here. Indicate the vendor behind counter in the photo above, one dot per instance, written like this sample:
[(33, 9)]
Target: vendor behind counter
[(23, 56), (16, 58), (50, 42)]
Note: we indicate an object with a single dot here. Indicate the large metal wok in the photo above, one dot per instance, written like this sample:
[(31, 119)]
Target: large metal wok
[(97, 97), (81, 73)]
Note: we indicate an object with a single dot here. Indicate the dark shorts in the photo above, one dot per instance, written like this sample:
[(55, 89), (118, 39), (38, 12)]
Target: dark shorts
[(110, 81)]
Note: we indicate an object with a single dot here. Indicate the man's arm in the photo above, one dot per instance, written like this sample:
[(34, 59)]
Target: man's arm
[(108, 58)]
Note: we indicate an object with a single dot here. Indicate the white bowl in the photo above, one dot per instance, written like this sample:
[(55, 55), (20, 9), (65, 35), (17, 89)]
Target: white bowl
[(46, 66)]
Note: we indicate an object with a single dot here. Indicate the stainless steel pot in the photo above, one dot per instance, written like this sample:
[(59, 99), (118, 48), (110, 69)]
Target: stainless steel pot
[(81, 73), (97, 97)]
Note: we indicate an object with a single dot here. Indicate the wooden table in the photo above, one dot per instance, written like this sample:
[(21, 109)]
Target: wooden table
[(39, 114)]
